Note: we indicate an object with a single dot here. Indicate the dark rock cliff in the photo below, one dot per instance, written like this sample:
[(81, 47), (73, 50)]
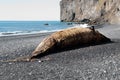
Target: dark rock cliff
[(94, 10)]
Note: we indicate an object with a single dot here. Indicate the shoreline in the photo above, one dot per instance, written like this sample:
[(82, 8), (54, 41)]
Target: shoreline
[(34, 39), (17, 33), (33, 34), (22, 34), (104, 29)]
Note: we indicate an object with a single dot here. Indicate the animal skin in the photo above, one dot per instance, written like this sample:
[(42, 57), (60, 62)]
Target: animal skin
[(75, 36)]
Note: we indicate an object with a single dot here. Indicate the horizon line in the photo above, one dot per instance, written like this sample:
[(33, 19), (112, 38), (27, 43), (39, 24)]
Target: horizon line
[(29, 20)]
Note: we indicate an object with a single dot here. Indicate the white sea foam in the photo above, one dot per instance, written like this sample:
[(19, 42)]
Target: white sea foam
[(25, 32), (82, 25)]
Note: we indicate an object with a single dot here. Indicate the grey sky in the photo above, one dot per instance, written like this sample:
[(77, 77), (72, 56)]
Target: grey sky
[(29, 10)]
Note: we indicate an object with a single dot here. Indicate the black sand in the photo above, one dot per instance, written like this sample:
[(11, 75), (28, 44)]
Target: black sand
[(99, 62)]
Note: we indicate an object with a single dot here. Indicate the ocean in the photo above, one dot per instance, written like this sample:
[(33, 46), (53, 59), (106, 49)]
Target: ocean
[(9, 28)]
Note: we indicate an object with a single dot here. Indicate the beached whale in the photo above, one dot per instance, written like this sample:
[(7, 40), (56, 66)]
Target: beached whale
[(71, 37)]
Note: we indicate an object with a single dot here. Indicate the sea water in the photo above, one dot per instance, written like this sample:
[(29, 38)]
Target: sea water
[(8, 28)]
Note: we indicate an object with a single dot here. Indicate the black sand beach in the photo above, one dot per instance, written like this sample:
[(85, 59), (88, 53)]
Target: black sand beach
[(99, 62)]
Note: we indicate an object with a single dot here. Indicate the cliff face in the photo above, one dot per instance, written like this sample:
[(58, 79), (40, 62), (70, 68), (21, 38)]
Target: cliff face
[(101, 10)]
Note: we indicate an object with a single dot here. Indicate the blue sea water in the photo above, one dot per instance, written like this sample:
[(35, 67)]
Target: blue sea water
[(28, 27)]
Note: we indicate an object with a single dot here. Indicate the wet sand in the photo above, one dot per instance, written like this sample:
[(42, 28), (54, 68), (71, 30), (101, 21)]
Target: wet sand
[(99, 62)]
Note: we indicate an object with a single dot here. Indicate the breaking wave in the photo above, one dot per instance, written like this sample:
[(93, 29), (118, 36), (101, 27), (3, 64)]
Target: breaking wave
[(25, 32)]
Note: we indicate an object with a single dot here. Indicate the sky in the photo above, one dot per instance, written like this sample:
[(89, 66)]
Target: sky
[(35, 10)]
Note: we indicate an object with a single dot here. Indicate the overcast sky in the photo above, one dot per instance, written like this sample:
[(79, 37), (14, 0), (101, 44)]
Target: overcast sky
[(29, 10)]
